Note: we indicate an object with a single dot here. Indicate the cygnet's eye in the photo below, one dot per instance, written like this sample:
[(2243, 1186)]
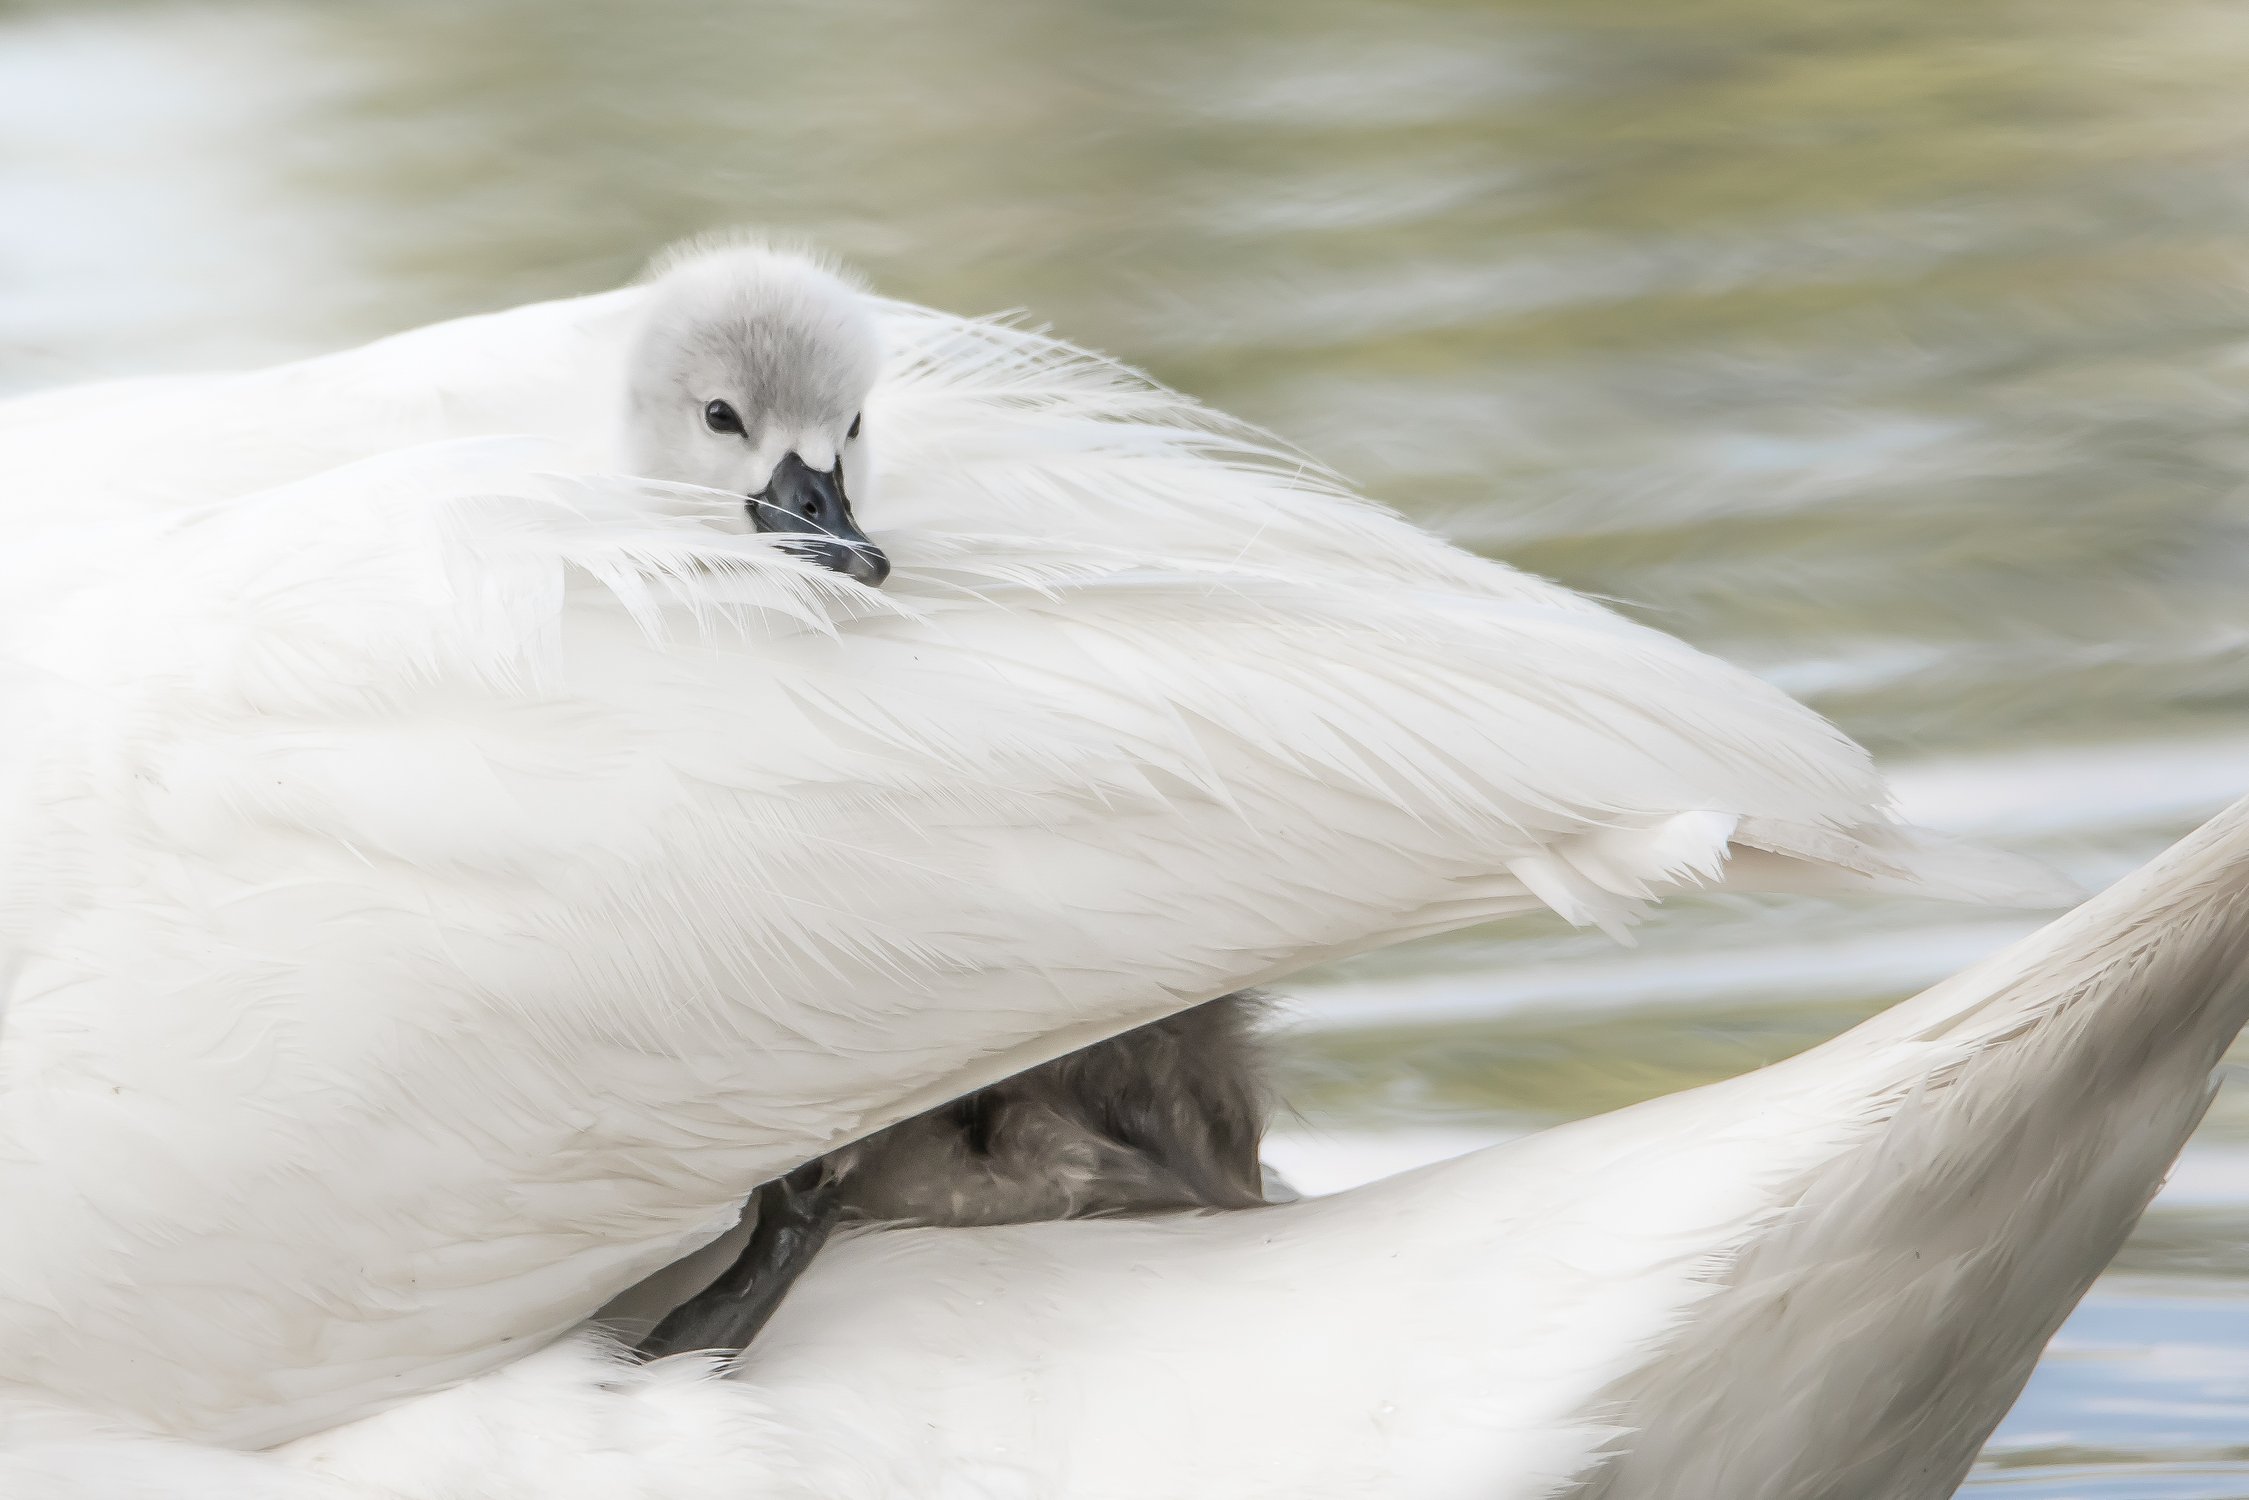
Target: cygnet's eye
[(719, 417), (854, 432)]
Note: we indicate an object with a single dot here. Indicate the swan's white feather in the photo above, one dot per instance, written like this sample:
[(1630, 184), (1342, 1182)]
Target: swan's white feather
[(437, 887)]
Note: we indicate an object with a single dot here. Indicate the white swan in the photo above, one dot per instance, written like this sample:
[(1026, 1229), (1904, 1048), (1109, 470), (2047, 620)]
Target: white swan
[(436, 888), (1825, 1278)]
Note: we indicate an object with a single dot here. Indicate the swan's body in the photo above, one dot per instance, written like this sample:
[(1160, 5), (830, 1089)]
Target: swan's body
[(438, 888), (1826, 1278)]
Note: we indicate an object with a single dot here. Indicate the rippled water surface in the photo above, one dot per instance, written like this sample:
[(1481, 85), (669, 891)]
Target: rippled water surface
[(1895, 349)]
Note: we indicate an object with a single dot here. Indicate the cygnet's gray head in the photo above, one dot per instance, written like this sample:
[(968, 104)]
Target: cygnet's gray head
[(750, 374)]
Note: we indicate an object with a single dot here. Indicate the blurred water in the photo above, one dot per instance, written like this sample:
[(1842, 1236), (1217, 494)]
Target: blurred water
[(1896, 348)]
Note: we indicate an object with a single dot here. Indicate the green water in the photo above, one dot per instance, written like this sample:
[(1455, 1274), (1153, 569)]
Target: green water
[(1899, 350)]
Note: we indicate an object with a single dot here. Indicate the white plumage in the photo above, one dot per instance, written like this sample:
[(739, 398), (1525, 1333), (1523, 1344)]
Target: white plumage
[(441, 877)]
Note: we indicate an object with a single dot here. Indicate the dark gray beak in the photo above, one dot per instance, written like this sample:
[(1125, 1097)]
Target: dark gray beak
[(801, 501)]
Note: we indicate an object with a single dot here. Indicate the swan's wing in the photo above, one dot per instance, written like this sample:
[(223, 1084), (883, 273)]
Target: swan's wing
[(1827, 1277), (438, 888), (1002, 443), (435, 891), (1002, 454)]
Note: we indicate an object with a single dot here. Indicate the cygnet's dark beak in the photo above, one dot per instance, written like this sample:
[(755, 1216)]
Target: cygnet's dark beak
[(801, 501)]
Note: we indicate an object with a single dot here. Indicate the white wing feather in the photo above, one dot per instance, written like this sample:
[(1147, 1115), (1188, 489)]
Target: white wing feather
[(437, 888)]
